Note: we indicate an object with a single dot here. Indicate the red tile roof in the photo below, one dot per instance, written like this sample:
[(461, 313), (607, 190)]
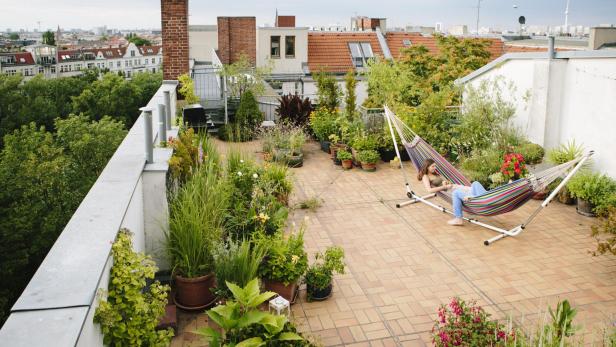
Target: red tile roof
[(330, 50), (150, 50), (24, 58)]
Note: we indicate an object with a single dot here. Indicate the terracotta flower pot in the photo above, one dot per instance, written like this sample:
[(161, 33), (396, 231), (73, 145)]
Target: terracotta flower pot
[(354, 153), (288, 292), (194, 293), (565, 197), (368, 166), (585, 208), (347, 164)]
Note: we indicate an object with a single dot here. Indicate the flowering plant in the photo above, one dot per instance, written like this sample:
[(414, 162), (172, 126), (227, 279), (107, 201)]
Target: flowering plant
[(285, 261), (462, 324), (320, 274), (513, 166)]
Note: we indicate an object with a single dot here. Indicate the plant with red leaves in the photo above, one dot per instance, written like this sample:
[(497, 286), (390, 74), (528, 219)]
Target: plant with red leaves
[(513, 166)]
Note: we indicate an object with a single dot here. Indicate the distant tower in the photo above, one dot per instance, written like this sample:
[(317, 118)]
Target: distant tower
[(58, 35), (567, 15), (438, 27)]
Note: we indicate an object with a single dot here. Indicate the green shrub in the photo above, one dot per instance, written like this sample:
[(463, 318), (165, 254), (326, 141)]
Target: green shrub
[(481, 165), (598, 189), (364, 141), (236, 262), (565, 152), (129, 315), (532, 152), (248, 115), (187, 89), (243, 324), (368, 156), (350, 98), (320, 274), (323, 123), (286, 261), (276, 177), (327, 91), (344, 155), (185, 155)]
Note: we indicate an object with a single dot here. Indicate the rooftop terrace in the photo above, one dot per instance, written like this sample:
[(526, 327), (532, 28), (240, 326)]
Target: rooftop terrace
[(404, 263)]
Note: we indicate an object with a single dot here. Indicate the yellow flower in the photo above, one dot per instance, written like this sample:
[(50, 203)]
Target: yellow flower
[(262, 217), (294, 259)]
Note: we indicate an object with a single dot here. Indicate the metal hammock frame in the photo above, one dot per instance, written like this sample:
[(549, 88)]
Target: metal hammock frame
[(521, 190)]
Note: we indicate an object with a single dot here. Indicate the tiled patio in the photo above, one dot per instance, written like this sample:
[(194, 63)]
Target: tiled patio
[(404, 263)]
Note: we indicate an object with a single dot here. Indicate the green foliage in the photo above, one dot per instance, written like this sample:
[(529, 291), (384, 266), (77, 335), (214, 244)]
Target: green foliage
[(138, 41), (327, 91), (368, 156), (565, 152), (248, 116), (311, 204), (350, 98), (236, 262), (185, 156), (196, 216), (13, 36), (605, 233), (276, 178), (481, 165), (187, 89), (49, 38), (323, 123), (364, 141), (562, 321), (294, 110), (320, 274), (129, 315), (532, 152), (242, 76), (344, 155), (244, 325), (596, 188), (286, 261), (43, 178)]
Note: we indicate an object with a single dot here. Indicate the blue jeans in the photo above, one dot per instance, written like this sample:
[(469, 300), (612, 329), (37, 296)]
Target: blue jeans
[(458, 196)]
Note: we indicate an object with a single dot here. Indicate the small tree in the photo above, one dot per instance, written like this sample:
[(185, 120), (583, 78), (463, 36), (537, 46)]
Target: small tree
[(13, 36), (242, 76), (138, 41), (187, 89), (248, 116), (327, 90), (49, 38), (350, 97)]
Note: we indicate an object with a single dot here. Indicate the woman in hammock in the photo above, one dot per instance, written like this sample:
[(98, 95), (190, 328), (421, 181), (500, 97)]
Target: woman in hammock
[(434, 182)]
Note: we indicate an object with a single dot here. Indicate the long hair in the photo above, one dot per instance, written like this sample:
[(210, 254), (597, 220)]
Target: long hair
[(424, 169)]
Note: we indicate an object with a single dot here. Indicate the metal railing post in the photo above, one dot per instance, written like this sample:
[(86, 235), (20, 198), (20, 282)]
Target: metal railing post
[(168, 108), (162, 125), (147, 131)]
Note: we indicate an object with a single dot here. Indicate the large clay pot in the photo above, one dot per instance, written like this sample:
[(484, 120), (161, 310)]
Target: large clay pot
[(288, 292), (585, 208), (347, 164), (195, 293), (319, 294), (368, 166)]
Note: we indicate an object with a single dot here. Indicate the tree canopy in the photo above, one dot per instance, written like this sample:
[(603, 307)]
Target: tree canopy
[(137, 40), (49, 38)]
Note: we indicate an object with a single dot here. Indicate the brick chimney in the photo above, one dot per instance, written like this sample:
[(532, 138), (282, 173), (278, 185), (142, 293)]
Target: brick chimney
[(174, 18), (285, 21), (237, 36)]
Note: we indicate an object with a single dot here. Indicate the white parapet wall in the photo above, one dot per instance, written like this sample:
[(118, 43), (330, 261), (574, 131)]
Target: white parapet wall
[(571, 97), (57, 307)]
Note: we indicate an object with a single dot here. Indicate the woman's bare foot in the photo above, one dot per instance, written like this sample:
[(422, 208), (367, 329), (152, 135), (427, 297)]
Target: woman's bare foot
[(456, 221), (466, 198)]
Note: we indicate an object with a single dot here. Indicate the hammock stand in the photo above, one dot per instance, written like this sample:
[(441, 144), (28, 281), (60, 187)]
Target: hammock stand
[(499, 200)]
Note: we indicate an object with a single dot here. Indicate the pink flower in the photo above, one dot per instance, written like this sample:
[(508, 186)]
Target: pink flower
[(501, 335)]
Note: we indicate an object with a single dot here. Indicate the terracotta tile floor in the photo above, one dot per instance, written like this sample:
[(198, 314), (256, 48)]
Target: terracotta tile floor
[(403, 263)]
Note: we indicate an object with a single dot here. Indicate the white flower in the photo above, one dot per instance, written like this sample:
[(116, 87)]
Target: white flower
[(241, 160), (239, 173), (255, 176)]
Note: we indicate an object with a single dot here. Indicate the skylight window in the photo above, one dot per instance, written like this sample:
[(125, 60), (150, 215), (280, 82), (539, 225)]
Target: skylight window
[(361, 52), (22, 60), (406, 42)]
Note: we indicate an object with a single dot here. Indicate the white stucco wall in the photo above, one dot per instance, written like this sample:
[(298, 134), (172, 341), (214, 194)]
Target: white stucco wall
[(572, 98), (201, 42), (361, 90), (283, 64)]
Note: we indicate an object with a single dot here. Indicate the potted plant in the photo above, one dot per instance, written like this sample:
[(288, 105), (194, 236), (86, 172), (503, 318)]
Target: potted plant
[(334, 141), (284, 264), (560, 155), (320, 274), (196, 215), (323, 124), (236, 262), (346, 158), (297, 138), (368, 159), (362, 142), (595, 192)]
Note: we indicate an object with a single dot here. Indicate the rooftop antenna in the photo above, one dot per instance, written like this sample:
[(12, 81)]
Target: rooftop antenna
[(39, 25), (567, 15), (478, 7)]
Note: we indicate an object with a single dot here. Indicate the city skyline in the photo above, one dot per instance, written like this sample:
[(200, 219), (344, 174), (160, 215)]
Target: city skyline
[(146, 13)]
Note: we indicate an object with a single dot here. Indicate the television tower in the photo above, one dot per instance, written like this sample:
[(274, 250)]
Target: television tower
[(567, 15)]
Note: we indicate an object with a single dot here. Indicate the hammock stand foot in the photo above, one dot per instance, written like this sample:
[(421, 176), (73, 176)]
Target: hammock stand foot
[(503, 233), (414, 200)]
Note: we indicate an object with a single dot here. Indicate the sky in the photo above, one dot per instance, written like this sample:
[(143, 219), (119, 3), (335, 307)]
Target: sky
[(133, 14)]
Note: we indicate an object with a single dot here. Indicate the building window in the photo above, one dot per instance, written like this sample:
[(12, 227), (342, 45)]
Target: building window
[(90, 65), (160, 60), (119, 64), (132, 53), (275, 46), (126, 63), (361, 52), (53, 69), (41, 70), (289, 46)]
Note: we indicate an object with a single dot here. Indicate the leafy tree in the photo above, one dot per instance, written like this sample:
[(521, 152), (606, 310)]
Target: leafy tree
[(13, 36), (243, 76), (327, 91), (43, 179), (49, 38), (138, 41)]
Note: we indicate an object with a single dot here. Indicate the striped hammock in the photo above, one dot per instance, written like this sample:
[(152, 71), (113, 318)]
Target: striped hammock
[(502, 199)]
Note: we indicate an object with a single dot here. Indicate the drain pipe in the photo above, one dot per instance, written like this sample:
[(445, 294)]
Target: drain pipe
[(162, 125), (147, 130), (167, 109), (551, 50)]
